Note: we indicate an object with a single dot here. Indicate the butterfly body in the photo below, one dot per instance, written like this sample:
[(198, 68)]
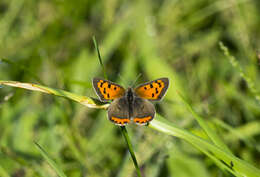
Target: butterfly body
[(131, 104)]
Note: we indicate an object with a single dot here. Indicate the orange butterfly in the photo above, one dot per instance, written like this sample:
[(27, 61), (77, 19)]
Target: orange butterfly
[(131, 104)]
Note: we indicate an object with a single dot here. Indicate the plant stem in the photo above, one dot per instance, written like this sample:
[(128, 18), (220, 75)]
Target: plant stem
[(99, 57), (131, 150), (123, 129)]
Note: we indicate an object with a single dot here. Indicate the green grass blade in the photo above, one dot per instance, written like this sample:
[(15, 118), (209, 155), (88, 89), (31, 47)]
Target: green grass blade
[(99, 57), (211, 134), (86, 101), (236, 65), (50, 161), (233, 164), (131, 150), (244, 133)]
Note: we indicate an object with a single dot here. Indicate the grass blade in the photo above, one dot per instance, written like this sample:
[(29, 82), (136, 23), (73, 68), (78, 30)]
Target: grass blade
[(50, 161), (86, 101), (231, 163), (237, 66), (130, 148), (211, 134), (99, 57)]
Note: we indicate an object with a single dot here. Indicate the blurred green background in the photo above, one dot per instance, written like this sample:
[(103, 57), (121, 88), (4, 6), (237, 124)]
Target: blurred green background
[(50, 42)]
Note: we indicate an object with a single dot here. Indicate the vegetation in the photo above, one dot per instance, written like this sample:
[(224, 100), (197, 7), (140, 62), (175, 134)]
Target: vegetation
[(206, 125)]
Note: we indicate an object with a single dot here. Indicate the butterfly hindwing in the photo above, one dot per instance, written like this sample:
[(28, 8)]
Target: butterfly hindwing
[(118, 111), (153, 90), (143, 111), (107, 90)]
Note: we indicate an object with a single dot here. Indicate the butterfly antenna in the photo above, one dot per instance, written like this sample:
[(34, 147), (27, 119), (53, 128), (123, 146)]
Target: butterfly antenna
[(138, 76), (123, 80)]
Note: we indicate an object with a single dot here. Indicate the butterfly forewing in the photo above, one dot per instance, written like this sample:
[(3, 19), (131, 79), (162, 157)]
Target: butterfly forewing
[(107, 90), (153, 90)]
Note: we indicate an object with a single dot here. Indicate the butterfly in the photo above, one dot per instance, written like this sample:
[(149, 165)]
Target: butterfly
[(130, 104)]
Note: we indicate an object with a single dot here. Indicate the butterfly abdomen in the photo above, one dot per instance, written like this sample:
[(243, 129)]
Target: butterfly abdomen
[(130, 99), (130, 95)]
